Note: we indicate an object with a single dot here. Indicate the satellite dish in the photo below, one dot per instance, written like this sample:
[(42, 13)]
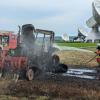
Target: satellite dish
[(94, 22), (65, 37), (96, 10), (82, 32), (91, 22)]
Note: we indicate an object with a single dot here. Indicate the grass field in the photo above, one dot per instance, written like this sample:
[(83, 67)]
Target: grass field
[(74, 57), (78, 45)]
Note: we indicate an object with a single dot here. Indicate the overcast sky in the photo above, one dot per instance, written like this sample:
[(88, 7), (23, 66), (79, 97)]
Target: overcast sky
[(61, 16)]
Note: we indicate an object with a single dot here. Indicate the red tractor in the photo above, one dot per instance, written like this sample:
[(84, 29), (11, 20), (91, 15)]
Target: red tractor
[(33, 54)]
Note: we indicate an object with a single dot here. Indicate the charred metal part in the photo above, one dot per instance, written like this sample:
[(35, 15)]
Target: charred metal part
[(18, 37), (28, 36)]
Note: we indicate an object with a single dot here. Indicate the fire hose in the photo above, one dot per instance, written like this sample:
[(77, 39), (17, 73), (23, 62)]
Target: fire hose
[(91, 59)]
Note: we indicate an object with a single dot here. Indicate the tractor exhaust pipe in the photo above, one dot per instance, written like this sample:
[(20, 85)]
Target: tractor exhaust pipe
[(28, 34), (18, 37)]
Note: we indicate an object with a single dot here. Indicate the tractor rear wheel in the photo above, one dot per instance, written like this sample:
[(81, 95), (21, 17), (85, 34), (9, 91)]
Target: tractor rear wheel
[(30, 74)]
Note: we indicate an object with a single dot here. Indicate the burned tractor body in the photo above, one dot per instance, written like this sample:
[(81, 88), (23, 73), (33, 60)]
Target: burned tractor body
[(8, 40), (34, 54)]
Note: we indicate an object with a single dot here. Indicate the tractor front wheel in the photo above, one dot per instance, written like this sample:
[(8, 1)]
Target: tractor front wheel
[(30, 74)]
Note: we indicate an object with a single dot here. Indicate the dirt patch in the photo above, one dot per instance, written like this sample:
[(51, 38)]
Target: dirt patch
[(51, 87), (3, 86), (77, 58), (58, 87)]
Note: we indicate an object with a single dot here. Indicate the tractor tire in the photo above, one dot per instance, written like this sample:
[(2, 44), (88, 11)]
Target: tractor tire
[(30, 74), (62, 68), (55, 60)]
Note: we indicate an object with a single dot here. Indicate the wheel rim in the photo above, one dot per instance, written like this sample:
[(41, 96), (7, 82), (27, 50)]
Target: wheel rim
[(30, 74)]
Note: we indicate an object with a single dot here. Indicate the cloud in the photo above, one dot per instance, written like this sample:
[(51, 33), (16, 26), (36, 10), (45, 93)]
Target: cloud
[(58, 15)]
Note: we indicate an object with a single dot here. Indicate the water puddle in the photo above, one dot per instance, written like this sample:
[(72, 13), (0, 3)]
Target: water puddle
[(82, 73)]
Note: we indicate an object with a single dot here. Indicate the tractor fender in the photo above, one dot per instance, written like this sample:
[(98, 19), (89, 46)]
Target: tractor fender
[(55, 59)]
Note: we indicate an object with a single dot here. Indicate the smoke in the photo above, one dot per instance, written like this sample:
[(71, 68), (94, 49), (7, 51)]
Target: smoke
[(36, 50), (40, 51)]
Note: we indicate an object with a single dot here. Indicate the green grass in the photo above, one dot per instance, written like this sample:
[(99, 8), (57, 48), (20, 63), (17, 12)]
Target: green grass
[(78, 45), (8, 97)]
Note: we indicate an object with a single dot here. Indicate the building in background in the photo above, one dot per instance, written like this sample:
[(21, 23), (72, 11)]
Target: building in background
[(59, 38)]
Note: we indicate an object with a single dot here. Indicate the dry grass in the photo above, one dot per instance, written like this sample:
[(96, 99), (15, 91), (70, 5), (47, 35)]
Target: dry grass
[(77, 58)]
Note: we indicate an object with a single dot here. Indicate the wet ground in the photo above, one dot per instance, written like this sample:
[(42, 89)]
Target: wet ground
[(75, 84), (85, 73)]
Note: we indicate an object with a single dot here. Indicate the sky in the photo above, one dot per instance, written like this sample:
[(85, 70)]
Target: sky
[(60, 16)]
